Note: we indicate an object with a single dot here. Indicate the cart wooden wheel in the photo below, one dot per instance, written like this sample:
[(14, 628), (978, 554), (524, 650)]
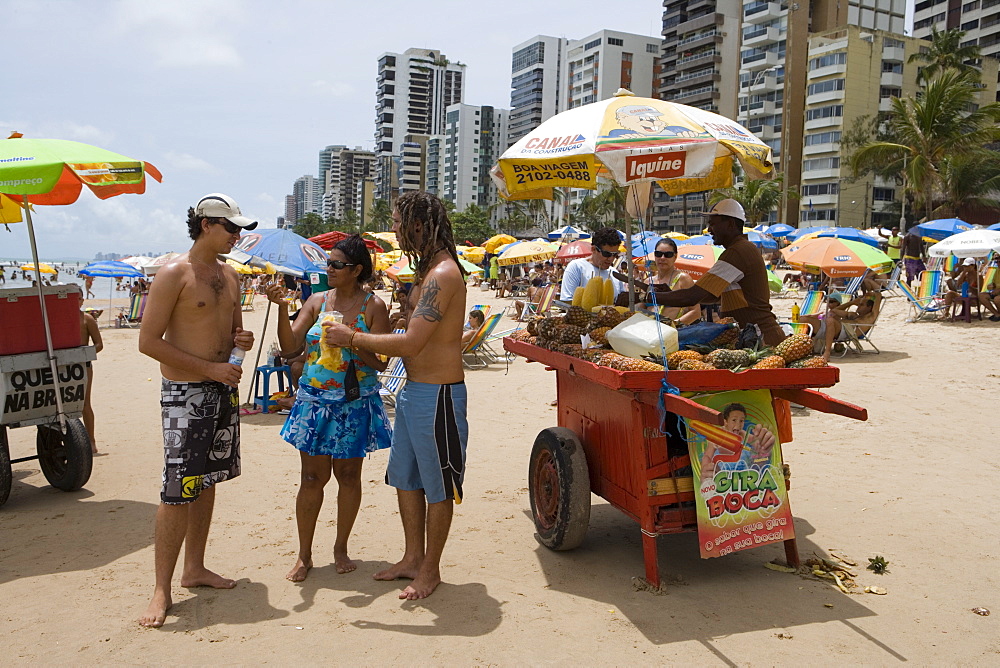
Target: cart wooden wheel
[(5, 475), (66, 459), (559, 487)]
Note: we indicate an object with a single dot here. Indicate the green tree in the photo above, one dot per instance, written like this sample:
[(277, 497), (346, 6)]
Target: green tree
[(759, 197), (968, 181), (310, 225), (472, 224), (380, 215), (946, 53), (942, 122)]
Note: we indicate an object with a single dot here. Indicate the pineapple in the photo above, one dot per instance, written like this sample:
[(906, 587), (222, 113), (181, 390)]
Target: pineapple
[(811, 362), (547, 327), (599, 335), (770, 362), (795, 347), (674, 359), (571, 334), (728, 359), (578, 296), (694, 365), (728, 338), (592, 293), (625, 363), (609, 316), (577, 316)]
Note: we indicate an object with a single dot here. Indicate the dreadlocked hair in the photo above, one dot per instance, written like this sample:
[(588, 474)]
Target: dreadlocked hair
[(435, 231)]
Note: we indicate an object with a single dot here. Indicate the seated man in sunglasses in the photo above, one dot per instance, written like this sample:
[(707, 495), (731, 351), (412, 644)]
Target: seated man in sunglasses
[(606, 243), (738, 279)]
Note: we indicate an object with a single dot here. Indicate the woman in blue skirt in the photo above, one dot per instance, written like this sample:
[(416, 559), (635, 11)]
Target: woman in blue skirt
[(338, 416)]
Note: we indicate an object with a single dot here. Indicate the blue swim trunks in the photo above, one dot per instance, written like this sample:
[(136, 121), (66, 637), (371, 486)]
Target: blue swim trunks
[(429, 440)]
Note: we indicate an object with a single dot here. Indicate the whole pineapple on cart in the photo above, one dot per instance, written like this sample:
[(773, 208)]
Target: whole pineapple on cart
[(675, 442)]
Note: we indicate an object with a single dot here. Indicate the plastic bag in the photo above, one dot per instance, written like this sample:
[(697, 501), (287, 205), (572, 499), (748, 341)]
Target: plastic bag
[(700, 333)]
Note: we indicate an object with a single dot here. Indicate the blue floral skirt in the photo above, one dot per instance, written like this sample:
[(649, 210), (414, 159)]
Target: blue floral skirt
[(340, 429)]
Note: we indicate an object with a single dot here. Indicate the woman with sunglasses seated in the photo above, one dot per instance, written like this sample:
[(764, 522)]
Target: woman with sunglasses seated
[(338, 416), (668, 277)]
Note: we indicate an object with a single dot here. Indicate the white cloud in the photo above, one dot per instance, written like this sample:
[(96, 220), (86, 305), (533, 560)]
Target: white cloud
[(183, 33), (189, 163)]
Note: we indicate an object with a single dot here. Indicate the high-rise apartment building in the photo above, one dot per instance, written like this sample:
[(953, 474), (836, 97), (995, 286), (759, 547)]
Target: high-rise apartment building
[(852, 76), (473, 140), (536, 84), (347, 168), (979, 19), (308, 194), (414, 89), (700, 42), (289, 216), (599, 64), (326, 158)]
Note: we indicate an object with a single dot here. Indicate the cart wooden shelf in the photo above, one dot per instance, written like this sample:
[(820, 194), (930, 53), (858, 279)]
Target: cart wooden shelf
[(610, 441)]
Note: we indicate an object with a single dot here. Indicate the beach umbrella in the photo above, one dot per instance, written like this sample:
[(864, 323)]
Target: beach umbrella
[(568, 232), (936, 230), (574, 249), (994, 226), (496, 241), (42, 268), (677, 236), (849, 233), (779, 230), (526, 251), (700, 240), (796, 234), (402, 273), (388, 237), (137, 261), (54, 171), (328, 240), (240, 267), (110, 269), (285, 248), (154, 265), (696, 260), (974, 243), (10, 211), (643, 247), (836, 257), (473, 254)]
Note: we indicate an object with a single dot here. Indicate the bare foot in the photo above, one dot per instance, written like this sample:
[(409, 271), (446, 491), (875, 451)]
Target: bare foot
[(421, 587), (300, 570), (206, 578), (156, 613), (403, 569), (343, 563)]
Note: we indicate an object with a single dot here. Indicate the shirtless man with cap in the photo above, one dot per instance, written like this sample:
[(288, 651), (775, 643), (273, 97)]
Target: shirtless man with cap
[(192, 322)]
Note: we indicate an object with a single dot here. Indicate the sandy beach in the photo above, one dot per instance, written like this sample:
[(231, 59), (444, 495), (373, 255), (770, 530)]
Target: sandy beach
[(911, 484)]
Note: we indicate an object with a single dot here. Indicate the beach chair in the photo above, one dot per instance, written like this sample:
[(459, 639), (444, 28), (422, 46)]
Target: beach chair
[(890, 285), (132, 315), (476, 354), (485, 308), (813, 303), (920, 307), (931, 284), (246, 300), (544, 302), (858, 334), (393, 379)]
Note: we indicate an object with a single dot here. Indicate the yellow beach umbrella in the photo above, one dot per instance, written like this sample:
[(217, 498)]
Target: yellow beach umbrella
[(385, 260), (240, 268), (42, 267), (388, 237), (496, 241), (473, 254), (526, 251), (676, 236)]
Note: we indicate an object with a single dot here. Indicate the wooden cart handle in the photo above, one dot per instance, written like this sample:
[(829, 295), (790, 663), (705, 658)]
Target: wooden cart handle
[(823, 403)]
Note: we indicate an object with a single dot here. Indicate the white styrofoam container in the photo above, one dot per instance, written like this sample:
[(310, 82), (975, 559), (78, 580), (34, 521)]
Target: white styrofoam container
[(640, 335)]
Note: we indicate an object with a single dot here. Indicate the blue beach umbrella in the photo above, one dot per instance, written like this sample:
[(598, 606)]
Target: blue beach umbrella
[(285, 248), (944, 227), (779, 230), (568, 231), (646, 245), (756, 238), (994, 226), (110, 269), (802, 231), (849, 233)]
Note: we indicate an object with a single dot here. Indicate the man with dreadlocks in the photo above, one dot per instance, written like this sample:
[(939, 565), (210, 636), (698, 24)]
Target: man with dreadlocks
[(427, 459)]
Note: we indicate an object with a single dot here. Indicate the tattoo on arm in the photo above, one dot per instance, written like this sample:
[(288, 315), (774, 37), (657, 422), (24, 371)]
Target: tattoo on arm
[(428, 307)]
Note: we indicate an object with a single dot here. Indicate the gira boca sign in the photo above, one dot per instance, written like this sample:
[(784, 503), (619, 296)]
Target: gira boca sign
[(658, 166)]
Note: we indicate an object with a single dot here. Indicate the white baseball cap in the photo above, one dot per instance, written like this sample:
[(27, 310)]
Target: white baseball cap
[(967, 261), (728, 207), (217, 205)]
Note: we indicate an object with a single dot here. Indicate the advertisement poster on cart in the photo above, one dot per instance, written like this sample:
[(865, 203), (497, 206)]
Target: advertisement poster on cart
[(739, 483)]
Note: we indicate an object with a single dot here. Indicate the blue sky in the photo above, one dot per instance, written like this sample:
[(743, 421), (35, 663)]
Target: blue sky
[(236, 96)]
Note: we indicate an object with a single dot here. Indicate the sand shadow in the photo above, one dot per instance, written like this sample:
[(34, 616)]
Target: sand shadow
[(263, 419), (465, 610), (48, 531), (883, 357), (246, 604), (700, 599)]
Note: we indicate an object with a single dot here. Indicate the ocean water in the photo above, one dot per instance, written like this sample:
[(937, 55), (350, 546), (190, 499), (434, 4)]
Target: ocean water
[(103, 288)]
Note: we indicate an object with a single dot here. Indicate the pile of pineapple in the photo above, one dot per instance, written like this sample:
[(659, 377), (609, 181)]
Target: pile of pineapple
[(562, 335), (795, 352)]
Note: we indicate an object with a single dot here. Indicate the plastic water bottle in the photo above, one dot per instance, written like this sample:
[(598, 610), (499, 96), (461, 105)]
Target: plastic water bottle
[(795, 312), (236, 356)]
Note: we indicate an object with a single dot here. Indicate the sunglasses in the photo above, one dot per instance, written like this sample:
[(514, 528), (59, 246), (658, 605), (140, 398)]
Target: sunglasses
[(664, 253), (608, 253), (229, 226), (337, 264)]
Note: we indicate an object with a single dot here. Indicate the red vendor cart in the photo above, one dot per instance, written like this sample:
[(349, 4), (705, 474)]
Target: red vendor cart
[(610, 441)]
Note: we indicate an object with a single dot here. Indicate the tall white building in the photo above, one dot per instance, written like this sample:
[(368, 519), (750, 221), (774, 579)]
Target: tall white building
[(308, 194), (537, 90), (326, 159), (599, 64), (414, 89), (474, 138), (347, 168)]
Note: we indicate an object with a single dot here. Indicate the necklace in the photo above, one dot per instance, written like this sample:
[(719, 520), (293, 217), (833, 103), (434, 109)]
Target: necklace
[(343, 310)]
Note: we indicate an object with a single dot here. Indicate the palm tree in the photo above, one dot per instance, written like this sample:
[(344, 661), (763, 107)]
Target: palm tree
[(759, 197), (380, 215), (946, 53), (942, 122), (969, 181)]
